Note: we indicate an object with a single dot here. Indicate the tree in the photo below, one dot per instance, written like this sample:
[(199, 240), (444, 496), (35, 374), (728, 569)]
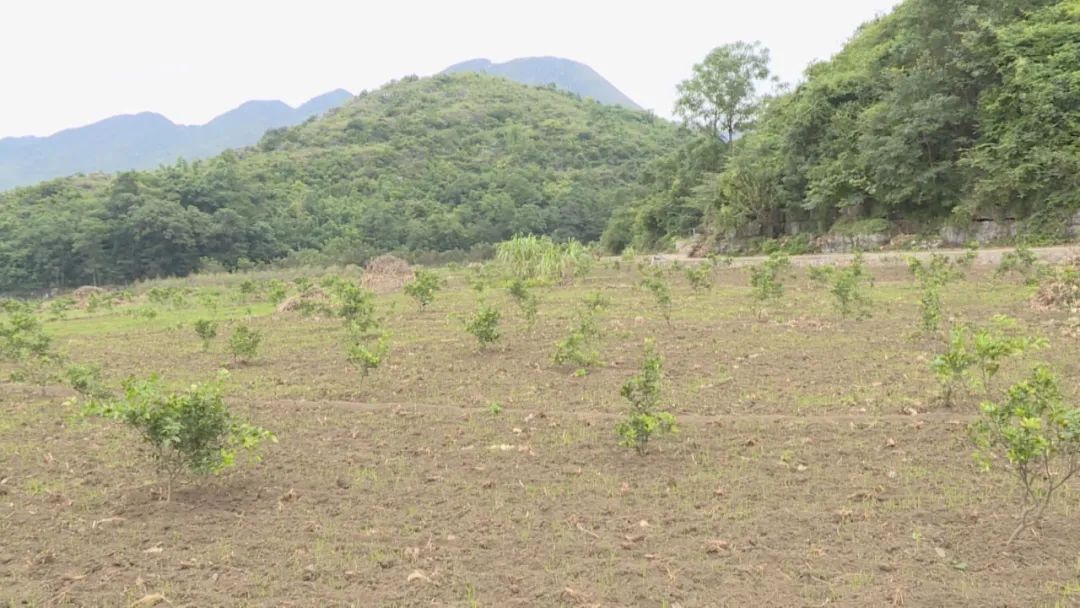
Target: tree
[(194, 430), (423, 287), (642, 391), (722, 98), (1039, 435)]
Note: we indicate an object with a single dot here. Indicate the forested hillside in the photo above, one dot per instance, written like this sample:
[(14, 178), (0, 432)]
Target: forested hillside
[(437, 164), (942, 111)]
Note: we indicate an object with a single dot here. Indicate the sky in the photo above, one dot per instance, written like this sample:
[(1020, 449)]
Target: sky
[(69, 63)]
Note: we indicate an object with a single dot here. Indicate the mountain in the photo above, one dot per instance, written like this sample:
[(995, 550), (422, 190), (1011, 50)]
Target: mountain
[(145, 140), (568, 75), (429, 168)]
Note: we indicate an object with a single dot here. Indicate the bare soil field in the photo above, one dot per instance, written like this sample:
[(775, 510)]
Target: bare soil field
[(814, 463)]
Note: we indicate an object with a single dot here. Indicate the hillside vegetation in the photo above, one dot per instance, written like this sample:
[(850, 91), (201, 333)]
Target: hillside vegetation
[(422, 165), (942, 111)]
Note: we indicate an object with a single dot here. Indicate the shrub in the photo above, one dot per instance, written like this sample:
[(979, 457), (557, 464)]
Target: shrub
[(700, 277), (1039, 437), (971, 253), (209, 300), (303, 284), (765, 278), (367, 358), (98, 301), (277, 291), (423, 287), (1021, 261), (596, 302), (60, 307), (244, 343), (654, 283), (847, 286), (356, 306), (480, 277), (525, 299), (975, 354), (642, 392), (247, 288), (718, 262), (484, 325), (22, 335), (192, 431), (932, 275), (167, 296), (207, 331), (85, 379), (578, 347), (23, 341), (147, 313)]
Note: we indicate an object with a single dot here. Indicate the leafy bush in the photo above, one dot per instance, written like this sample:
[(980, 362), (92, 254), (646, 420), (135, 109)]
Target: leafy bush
[(60, 307), (174, 297), (23, 341), (367, 358), (718, 261), (22, 335), (85, 379), (484, 325), (1038, 435), (209, 300), (356, 306), (1021, 261), (206, 330), (423, 287), (765, 278), (481, 276), (579, 347), (642, 392), (847, 286), (971, 253), (248, 288), (525, 299), (303, 284), (975, 354), (244, 343), (277, 291), (654, 283), (596, 302), (97, 302), (191, 431), (932, 275), (700, 277), (147, 313)]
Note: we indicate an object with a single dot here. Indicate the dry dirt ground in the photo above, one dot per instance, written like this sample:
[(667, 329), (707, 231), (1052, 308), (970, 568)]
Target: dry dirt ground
[(814, 465)]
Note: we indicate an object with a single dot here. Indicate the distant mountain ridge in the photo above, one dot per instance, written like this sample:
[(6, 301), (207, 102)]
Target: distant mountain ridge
[(147, 139), (565, 74)]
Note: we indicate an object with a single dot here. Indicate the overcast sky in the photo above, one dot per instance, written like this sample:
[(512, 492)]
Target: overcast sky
[(70, 63)]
